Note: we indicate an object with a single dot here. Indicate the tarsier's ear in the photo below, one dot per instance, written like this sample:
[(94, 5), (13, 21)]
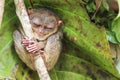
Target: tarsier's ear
[(60, 23), (30, 11)]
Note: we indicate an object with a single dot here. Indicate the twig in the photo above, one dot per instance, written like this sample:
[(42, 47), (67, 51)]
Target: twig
[(23, 16), (2, 3), (98, 4)]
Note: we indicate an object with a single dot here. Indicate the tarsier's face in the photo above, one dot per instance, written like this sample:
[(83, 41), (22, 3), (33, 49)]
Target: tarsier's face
[(43, 24)]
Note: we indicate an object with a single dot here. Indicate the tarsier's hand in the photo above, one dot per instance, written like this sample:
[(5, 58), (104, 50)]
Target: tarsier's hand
[(33, 46)]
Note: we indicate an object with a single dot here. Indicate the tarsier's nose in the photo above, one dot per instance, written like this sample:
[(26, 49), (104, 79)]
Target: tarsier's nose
[(41, 30)]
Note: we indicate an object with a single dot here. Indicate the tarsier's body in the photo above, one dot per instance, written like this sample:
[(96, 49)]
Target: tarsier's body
[(46, 41)]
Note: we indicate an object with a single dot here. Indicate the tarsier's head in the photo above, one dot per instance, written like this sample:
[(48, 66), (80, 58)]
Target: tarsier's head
[(44, 22)]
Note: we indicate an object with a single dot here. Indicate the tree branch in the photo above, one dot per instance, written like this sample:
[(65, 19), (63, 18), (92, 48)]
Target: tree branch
[(2, 3), (23, 16)]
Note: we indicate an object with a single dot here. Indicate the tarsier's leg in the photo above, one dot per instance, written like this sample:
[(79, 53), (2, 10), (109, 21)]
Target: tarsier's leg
[(23, 54), (53, 49)]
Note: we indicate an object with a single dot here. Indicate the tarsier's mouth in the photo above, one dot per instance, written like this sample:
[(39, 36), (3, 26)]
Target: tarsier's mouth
[(42, 37), (39, 40)]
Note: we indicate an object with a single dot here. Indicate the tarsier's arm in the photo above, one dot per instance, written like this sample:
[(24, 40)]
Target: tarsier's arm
[(50, 49), (53, 49)]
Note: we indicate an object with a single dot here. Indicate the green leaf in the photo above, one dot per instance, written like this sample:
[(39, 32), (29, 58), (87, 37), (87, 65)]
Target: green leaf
[(115, 28), (105, 4), (115, 25), (69, 62), (111, 36), (67, 75), (91, 7), (8, 61), (80, 34)]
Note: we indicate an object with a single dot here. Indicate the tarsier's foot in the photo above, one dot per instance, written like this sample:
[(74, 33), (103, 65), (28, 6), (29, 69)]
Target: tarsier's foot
[(41, 53)]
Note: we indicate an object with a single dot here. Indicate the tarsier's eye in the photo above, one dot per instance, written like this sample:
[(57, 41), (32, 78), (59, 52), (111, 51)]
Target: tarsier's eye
[(37, 25), (36, 22), (48, 27)]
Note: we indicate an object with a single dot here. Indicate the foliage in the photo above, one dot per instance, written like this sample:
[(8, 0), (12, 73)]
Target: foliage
[(86, 53), (104, 16)]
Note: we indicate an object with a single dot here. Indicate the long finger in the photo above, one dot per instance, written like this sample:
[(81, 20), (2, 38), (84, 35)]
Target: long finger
[(32, 49)]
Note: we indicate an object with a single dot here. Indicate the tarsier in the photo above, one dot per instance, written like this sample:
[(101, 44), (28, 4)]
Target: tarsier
[(46, 41)]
